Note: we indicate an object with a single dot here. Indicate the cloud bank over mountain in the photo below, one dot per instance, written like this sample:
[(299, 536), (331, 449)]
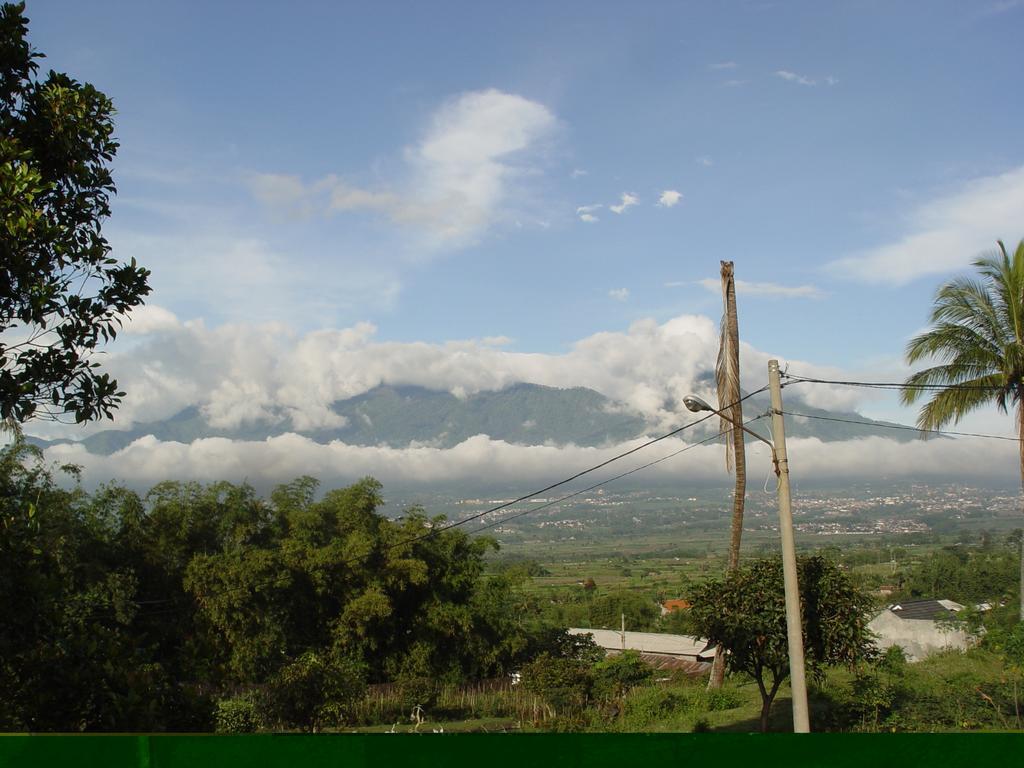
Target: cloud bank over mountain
[(240, 375), (481, 461), (244, 374)]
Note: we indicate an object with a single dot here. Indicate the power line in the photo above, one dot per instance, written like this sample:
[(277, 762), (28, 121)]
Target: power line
[(610, 479), (891, 385), (578, 475), (900, 426), (435, 530)]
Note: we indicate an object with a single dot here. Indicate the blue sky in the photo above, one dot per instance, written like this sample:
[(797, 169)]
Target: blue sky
[(449, 171)]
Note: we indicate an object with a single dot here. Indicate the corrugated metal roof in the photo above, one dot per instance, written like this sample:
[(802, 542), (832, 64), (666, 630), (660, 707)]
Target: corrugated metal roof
[(683, 664), (649, 642), (925, 609)]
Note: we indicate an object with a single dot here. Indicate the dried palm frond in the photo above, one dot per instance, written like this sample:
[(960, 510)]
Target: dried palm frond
[(727, 369)]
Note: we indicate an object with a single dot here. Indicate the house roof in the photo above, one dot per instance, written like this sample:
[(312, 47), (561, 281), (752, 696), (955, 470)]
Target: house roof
[(676, 605), (665, 663), (925, 609), (650, 642)]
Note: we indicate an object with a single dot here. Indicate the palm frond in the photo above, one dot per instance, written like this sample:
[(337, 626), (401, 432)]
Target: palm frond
[(949, 341), (977, 334), (950, 405), (727, 375)]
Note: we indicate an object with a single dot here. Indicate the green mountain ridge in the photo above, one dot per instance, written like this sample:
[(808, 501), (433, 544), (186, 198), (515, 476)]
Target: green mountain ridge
[(525, 414)]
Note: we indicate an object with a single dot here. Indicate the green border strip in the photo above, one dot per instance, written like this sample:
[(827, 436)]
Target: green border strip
[(514, 750)]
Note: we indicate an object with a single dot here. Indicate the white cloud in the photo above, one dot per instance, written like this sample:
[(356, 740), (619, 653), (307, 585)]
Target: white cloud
[(723, 65), (704, 160), (626, 201), (148, 461), (619, 294), (150, 318), (586, 212), (496, 341), (793, 77), (239, 374), (745, 288), (577, 173), (669, 198), (460, 175), (735, 83), (946, 233), (242, 276)]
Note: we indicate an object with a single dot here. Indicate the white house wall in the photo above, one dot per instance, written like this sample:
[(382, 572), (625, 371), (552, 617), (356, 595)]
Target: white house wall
[(917, 637)]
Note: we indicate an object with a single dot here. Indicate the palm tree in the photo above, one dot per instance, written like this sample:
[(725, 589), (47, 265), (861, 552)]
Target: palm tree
[(978, 335), (727, 379)]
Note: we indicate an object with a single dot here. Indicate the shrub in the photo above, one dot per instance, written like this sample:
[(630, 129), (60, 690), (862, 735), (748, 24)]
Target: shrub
[(721, 699), (564, 684), (240, 714), (417, 691), (617, 674), (648, 705), (314, 692)]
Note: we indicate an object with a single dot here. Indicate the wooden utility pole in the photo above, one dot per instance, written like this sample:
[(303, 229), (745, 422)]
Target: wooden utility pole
[(727, 377)]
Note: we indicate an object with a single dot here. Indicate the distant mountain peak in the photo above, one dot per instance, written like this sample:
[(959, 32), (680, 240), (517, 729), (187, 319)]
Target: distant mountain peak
[(523, 413)]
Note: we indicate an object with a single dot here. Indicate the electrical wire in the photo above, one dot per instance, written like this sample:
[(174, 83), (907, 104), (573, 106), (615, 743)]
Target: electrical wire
[(900, 426), (610, 479), (889, 385), (526, 497), (435, 530)]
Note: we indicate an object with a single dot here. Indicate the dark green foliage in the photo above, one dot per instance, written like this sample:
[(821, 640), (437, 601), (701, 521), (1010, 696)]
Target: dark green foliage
[(313, 692), (614, 676), (557, 642), (77, 651), (878, 687), (962, 574), (59, 287), (241, 714), (640, 611), (679, 622), (745, 613), (949, 691), (1013, 646), (563, 683), (121, 612), (674, 703)]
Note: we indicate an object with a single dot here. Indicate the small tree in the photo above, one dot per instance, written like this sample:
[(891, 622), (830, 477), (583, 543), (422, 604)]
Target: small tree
[(615, 675), (746, 614), (314, 691), (60, 292)]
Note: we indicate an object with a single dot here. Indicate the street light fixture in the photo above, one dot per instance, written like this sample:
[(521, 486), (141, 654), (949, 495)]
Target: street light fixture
[(697, 404), (794, 632)]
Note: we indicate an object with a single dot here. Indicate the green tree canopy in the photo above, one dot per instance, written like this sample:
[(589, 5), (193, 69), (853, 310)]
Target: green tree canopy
[(977, 339), (745, 612), (61, 293), (128, 612)]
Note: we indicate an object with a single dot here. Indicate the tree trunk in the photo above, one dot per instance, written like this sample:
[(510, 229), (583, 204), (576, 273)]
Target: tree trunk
[(1020, 444), (727, 375), (766, 708), (767, 697)]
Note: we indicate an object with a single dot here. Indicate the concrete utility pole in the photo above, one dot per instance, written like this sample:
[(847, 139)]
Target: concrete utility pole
[(794, 632)]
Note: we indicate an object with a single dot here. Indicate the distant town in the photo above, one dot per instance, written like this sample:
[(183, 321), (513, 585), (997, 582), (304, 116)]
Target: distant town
[(856, 510)]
